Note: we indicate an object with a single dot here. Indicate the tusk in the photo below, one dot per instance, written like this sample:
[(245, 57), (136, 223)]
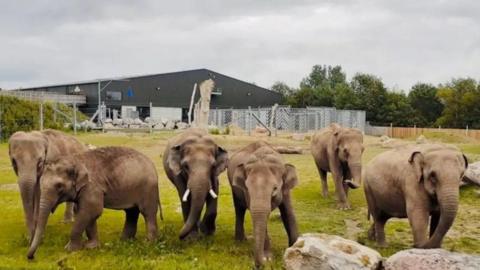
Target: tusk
[(213, 194), (185, 195)]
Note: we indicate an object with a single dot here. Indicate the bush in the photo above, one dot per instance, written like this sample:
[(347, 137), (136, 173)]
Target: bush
[(24, 115)]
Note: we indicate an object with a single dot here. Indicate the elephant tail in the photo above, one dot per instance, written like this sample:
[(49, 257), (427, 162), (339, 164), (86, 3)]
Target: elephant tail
[(160, 209)]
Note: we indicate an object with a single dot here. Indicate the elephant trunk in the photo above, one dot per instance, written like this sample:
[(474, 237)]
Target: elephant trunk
[(30, 193), (448, 200), (356, 173), (259, 220), (198, 193), (44, 211)]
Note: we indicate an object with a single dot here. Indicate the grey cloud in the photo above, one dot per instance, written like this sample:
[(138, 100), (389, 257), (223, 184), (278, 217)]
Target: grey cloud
[(259, 41)]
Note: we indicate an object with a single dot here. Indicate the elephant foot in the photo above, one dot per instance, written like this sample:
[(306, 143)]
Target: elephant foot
[(240, 237), (207, 230), (382, 244), (343, 206), (193, 235), (351, 184), (267, 256), (73, 246), (91, 244)]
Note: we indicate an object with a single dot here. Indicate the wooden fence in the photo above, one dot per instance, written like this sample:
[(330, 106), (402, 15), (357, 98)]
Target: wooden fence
[(412, 132)]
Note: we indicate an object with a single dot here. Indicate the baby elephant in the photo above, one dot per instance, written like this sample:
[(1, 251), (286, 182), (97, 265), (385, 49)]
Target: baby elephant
[(110, 177), (261, 182), (418, 182)]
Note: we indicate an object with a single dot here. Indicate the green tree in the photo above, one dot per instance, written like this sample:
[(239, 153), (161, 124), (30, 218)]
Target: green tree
[(372, 97), (398, 110), (460, 98), (426, 104)]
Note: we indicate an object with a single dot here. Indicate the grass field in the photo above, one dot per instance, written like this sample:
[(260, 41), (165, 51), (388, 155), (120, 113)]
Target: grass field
[(314, 214)]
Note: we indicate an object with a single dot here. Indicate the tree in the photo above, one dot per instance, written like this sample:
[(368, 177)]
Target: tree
[(426, 104), (372, 97), (282, 88), (460, 98), (398, 110)]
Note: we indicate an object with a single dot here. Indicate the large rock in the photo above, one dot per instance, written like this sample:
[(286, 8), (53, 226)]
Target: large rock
[(384, 138), (235, 130), (432, 259), (137, 121), (108, 126), (158, 126), (472, 174), (170, 124), (323, 251), (182, 125), (117, 122)]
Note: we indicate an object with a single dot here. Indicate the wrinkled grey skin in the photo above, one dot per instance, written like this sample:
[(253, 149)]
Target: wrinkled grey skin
[(29, 151), (193, 161), (108, 177), (261, 182), (418, 183), (339, 150)]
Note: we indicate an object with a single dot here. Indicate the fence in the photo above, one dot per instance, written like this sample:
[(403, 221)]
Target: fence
[(284, 118), (46, 96), (412, 132)]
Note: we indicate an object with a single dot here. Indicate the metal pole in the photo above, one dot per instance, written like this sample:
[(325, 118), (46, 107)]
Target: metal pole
[(151, 119), (74, 118), (466, 131), (55, 112), (249, 118), (41, 115), (99, 119)]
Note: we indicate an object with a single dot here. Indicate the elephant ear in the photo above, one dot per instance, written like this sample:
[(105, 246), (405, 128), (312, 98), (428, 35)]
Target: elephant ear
[(290, 179), (239, 177), (174, 159), (79, 174), (221, 160), (417, 161)]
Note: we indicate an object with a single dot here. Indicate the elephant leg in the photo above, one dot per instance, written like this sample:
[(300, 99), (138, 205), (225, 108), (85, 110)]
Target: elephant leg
[(342, 203), (346, 188), (149, 213), (434, 222), (92, 235), (68, 215), (323, 178), (239, 220), (288, 219), (82, 220), (131, 220), (379, 228), (418, 218), (371, 232), (208, 222)]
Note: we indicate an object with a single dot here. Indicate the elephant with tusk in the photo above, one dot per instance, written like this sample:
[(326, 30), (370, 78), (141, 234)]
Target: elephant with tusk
[(261, 182), (339, 150), (420, 183), (193, 161), (29, 152)]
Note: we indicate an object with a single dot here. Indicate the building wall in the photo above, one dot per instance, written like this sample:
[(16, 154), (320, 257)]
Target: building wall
[(171, 90)]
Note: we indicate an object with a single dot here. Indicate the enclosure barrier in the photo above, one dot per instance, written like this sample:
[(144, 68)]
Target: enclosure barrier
[(413, 132), (285, 118), (46, 96)]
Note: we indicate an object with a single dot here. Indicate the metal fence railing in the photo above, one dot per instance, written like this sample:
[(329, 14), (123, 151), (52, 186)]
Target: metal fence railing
[(285, 118), (46, 96)]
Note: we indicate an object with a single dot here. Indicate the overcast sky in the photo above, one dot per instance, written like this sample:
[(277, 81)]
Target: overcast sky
[(402, 42)]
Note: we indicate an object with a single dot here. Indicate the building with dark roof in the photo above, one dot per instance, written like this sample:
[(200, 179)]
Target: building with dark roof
[(169, 93)]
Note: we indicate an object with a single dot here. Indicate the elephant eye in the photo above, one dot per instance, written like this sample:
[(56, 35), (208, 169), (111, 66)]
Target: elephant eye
[(185, 166), (58, 186)]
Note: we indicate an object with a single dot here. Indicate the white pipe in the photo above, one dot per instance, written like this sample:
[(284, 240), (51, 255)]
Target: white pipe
[(213, 194), (185, 195)]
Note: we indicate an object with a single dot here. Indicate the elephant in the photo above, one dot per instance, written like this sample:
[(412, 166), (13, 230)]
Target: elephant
[(193, 162), (339, 150), (261, 181), (29, 151), (418, 183), (107, 177)]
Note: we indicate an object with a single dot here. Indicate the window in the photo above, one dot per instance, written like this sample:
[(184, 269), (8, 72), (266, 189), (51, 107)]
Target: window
[(114, 96)]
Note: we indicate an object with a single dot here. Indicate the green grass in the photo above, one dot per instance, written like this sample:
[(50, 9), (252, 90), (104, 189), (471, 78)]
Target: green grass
[(314, 214)]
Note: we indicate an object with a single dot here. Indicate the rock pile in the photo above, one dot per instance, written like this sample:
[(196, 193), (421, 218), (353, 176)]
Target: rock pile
[(157, 124)]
